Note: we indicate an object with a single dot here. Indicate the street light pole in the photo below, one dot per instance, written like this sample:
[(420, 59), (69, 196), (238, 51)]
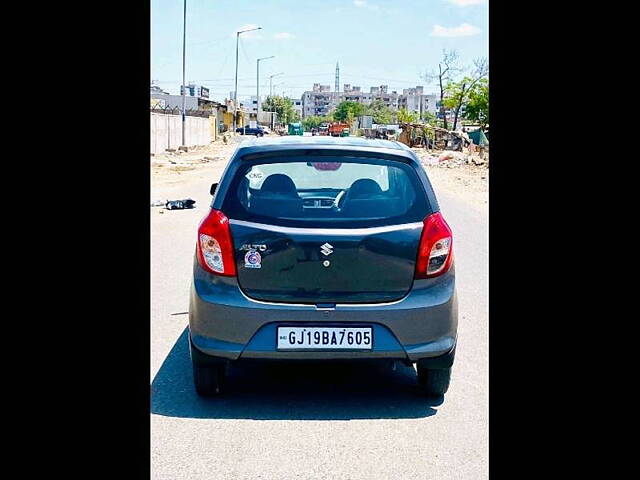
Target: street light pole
[(184, 46), (271, 82), (258, 85), (235, 88), (271, 94), (235, 91), (273, 122)]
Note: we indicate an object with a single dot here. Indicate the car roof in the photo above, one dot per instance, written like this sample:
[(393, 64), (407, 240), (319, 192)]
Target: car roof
[(296, 142)]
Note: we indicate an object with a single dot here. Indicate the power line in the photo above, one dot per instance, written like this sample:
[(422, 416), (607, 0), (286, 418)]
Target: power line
[(211, 80), (389, 80), (216, 40)]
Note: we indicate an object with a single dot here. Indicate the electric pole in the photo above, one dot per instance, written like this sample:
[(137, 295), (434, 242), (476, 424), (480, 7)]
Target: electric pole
[(184, 46), (271, 82), (235, 91), (258, 85)]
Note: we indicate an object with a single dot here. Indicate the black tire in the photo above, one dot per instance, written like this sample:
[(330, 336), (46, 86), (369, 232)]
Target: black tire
[(434, 381), (208, 373), (260, 134)]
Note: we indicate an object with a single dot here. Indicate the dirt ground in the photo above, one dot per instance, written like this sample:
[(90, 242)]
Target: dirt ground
[(469, 183), (174, 168)]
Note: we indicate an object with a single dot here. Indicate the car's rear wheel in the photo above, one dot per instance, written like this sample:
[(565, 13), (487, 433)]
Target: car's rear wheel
[(433, 381), (208, 373)]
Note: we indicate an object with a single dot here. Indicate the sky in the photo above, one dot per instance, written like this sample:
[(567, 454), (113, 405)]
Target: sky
[(375, 42)]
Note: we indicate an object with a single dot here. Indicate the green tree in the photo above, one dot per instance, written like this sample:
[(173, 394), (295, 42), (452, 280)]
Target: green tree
[(477, 108), (429, 118), (348, 111), (314, 122), (381, 114), (404, 116), (447, 69), (458, 92), (283, 106)]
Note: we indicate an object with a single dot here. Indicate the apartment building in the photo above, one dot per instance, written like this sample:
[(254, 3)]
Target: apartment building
[(297, 106), (320, 100), (415, 101)]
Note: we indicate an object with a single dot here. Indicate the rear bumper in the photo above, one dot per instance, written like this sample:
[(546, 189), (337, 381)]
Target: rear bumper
[(225, 323)]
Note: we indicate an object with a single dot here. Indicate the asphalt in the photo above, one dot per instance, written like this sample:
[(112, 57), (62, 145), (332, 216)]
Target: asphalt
[(338, 421)]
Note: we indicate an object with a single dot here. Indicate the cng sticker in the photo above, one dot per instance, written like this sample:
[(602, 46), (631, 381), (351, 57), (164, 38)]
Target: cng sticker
[(252, 259)]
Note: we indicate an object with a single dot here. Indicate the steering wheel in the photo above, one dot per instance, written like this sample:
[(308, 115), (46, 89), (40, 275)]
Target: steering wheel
[(339, 198)]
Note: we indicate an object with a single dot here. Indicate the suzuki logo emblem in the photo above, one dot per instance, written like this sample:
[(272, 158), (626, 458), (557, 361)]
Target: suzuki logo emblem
[(326, 249)]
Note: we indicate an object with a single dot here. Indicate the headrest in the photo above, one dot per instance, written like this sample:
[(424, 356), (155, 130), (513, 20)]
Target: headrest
[(364, 187), (279, 183)]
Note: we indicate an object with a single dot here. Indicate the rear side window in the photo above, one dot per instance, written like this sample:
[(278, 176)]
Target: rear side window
[(332, 192)]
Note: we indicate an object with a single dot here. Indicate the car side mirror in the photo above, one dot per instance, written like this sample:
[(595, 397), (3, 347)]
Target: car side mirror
[(214, 186)]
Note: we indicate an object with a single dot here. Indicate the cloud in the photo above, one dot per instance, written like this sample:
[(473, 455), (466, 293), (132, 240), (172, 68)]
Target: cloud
[(255, 35), (463, 30), (284, 36), (466, 3), (364, 4)]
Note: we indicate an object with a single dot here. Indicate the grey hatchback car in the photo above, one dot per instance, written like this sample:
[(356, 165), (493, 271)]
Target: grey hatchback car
[(321, 248)]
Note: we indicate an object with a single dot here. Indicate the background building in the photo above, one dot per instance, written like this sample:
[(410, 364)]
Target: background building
[(252, 104), (297, 105), (415, 101), (354, 94), (320, 100), (194, 90), (175, 101), (156, 89)]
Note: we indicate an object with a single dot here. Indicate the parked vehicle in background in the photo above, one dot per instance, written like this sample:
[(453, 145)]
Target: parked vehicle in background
[(257, 131), (323, 249), (336, 129), (296, 129), (323, 129)]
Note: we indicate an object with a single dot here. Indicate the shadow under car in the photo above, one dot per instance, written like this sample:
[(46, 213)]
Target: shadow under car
[(300, 390)]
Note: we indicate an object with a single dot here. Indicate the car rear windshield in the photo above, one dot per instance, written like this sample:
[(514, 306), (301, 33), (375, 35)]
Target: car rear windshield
[(333, 192)]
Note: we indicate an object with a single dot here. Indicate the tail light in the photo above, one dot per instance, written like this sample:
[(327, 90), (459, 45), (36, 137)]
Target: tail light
[(435, 254), (214, 246)]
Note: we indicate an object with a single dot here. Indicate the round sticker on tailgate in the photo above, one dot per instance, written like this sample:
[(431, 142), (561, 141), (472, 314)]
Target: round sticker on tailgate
[(252, 259)]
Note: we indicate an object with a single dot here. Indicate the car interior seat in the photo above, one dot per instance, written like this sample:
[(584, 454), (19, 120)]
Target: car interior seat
[(365, 198), (278, 196)]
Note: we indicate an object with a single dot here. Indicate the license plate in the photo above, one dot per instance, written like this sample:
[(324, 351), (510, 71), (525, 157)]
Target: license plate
[(325, 338)]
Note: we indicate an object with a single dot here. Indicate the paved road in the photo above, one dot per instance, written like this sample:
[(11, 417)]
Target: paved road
[(314, 421)]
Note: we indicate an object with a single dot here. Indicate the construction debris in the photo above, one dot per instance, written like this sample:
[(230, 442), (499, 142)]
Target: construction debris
[(451, 159), (180, 204), (384, 133), (431, 137)]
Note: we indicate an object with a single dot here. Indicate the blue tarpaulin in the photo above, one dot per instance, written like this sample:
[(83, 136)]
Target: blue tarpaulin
[(478, 137)]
